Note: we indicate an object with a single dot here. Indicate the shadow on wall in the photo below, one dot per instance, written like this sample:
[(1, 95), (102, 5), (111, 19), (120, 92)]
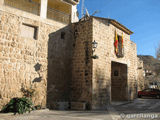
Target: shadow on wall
[(37, 69), (59, 67), (101, 96)]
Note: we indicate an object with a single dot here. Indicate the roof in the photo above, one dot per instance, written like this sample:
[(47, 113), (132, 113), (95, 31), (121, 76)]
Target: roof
[(116, 24)]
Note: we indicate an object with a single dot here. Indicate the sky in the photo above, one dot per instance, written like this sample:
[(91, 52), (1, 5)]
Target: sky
[(140, 16)]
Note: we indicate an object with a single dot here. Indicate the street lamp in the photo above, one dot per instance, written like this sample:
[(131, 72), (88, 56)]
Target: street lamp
[(94, 46)]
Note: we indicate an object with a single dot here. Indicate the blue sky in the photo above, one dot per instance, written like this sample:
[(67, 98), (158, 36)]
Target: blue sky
[(140, 16)]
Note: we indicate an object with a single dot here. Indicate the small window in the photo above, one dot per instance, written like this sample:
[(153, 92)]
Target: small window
[(63, 35), (116, 73), (29, 31)]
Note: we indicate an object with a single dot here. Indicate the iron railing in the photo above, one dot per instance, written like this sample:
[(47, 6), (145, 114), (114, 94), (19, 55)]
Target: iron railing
[(25, 5), (58, 15), (34, 8)]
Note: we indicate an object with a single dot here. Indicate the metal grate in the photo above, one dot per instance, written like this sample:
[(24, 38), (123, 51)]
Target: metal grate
[(34, 8), (25, 5), (57, 15)]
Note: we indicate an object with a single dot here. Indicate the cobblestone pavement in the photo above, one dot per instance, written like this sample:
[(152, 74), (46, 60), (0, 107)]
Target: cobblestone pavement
[(139, 109)]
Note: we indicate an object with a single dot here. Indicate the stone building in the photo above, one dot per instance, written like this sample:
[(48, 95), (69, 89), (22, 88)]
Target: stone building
[(33, 52), (44, 47), (141, 75), (151, 71), (111, 77)]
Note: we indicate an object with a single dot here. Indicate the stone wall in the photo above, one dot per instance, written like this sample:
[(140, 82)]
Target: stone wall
[(56, 60), (33, 62), (104, 34), (102, 66), (141, 73), (91, 80), (81, 86), (59, 66)]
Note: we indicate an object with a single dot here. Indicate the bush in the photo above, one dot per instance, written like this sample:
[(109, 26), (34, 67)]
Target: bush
[(18, 105)]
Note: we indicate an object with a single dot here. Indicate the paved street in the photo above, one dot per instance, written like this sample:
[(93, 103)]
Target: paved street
[(140, 109), (61, 115)]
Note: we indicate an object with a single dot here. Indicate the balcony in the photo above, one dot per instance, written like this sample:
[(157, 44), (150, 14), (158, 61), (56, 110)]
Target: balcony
[(57, 15), (73, 2), (33, 6), (24, 5)]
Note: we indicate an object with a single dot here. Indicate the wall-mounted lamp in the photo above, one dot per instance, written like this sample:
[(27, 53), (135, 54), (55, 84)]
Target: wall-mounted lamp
[(94, 46)]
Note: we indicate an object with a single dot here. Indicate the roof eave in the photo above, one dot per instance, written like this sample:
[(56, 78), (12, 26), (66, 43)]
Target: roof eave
[(120, 26), (116, 24)]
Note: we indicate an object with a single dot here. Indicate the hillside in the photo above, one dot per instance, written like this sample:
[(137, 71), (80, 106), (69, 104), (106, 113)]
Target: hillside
[(150, 63)]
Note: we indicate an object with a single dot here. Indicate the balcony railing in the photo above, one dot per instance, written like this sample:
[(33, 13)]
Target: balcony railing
[(34, 8), (58, 15), (73, 2), (25, 5)]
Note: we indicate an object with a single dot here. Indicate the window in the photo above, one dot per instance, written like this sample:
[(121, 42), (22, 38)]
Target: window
[(29, 31), (63, 35)]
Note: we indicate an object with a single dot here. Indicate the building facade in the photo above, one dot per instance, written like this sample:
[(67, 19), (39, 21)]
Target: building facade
[(111, 77), (30, 41), (44, 47)]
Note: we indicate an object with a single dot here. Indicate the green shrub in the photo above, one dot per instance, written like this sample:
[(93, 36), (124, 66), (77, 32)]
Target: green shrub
[(18, 105)]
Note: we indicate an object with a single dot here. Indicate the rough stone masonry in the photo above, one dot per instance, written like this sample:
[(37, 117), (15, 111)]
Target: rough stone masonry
[(56, 61), (40, 62), (92, 79)]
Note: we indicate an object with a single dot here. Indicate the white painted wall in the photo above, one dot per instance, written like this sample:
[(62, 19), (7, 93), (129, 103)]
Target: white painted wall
[(74, 16), (43, 12), (1, 2)]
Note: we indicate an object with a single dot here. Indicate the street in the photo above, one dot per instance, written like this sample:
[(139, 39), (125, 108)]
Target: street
[(139, 109)]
